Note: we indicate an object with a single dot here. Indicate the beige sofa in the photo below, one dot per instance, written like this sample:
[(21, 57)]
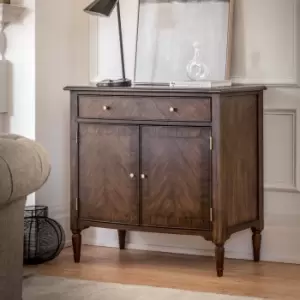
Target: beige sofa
[(24, 168)]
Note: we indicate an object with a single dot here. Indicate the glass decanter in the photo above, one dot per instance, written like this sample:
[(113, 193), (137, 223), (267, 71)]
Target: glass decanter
[(196, 68)]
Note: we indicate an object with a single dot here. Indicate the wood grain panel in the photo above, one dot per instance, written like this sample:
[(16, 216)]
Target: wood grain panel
[(145, 108), (176, 163), (260, 158), (107, 156), (239, 157), (73, 163), (219, 228)]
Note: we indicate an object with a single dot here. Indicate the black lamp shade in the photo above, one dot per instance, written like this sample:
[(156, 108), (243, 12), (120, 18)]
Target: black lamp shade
[(101, 7), (105, 8)]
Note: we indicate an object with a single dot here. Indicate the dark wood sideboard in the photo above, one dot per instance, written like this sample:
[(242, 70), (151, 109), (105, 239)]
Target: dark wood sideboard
[(177, 161)]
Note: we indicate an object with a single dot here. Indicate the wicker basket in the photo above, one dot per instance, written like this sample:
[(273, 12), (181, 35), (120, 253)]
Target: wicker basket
[(44, 238)]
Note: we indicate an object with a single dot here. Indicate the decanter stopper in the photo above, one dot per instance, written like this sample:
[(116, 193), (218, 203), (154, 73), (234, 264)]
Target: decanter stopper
[(196, 68)]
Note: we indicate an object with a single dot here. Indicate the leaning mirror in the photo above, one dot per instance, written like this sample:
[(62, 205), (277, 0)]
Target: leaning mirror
[(183, 41)]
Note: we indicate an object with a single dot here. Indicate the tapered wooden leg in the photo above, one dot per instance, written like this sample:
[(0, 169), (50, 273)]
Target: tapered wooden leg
[(76, 242), (219, 253), (122, 238), (256, 243)]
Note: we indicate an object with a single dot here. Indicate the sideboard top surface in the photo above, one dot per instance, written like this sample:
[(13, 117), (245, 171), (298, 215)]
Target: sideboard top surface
[(166, 90)]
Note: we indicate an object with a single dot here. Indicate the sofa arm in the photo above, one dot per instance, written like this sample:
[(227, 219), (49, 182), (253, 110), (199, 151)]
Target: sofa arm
[(24, 167)]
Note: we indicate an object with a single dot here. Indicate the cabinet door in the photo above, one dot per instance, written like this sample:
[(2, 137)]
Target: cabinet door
[(176, 181), (108, 165)]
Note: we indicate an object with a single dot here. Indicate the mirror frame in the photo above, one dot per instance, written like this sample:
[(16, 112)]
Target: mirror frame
[(229, 45)]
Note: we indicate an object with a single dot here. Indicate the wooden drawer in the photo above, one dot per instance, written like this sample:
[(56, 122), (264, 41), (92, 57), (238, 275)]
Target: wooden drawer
[(175, 109)]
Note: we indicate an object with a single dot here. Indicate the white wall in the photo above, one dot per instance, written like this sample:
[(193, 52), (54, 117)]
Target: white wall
[(267, 51), (21, 83), (47, 50), (51, 50), (1, 122), (21, 87), (61, 59), (46, 53)]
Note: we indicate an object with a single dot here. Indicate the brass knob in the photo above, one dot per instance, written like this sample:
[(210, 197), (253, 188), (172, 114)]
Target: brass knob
[(105, 107), (143, 176), (172, 109), (131, 175)]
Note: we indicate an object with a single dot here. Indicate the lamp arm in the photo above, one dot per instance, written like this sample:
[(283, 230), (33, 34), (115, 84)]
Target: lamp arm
[(121, 40)]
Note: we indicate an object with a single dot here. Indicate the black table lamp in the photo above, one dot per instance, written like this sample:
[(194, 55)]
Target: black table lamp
[(104, 8)]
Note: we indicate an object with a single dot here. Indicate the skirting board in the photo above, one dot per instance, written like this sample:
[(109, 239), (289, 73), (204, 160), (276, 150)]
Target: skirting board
[(3, 86), (271, 257)]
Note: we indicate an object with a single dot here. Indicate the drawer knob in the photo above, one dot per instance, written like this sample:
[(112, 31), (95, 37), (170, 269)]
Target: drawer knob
[(143, 176), (172, 109), (106, 107), (131, 175)]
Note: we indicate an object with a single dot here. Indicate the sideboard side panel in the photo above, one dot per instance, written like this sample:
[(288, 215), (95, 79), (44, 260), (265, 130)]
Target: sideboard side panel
[(74, 161), (260, 162), (219, 205), (239, 157)]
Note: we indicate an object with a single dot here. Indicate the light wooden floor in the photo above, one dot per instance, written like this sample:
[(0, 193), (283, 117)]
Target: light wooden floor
[(266, 280)]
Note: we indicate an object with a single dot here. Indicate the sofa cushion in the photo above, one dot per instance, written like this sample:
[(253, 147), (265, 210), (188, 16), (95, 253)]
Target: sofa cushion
[(24, 167)]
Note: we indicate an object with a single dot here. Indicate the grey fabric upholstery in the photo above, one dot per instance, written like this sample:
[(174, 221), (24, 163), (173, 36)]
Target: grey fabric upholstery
[(24, 168)]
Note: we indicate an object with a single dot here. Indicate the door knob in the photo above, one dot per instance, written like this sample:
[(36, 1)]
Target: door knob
[(172, 109), (131, 175), (106, 107), (143, 176)]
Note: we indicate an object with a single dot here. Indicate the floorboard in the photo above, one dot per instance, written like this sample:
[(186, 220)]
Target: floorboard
[(187, 272)]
